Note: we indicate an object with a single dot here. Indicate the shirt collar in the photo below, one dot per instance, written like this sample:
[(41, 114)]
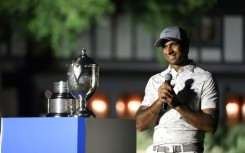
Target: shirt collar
[(190, 67)]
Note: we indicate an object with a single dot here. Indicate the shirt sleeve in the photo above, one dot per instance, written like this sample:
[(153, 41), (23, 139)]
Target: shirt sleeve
[(210, 94), (149, 94)]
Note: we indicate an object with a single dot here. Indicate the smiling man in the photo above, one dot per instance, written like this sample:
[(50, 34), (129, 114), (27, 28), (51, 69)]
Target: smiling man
[(191, 97)]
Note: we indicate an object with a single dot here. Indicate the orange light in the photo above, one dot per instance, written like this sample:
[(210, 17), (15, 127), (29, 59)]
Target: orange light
[(233, 110), (133, 104), (120, 108), (99, 105), (133, 107), (243, 109), (127, 105)]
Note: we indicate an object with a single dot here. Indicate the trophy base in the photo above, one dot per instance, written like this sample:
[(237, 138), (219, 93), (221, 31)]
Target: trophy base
[(57, 115), (83, 112)]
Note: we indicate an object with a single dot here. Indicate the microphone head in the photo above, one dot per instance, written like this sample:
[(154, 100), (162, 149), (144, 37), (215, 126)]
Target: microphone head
[(168, 77)]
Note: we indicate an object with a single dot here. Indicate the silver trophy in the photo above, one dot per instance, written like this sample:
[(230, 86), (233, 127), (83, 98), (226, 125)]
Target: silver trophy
[(83, 79), (61, 103)]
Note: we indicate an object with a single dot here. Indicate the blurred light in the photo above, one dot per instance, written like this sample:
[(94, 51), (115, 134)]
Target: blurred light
[(120, 108), (133, 107), (243, 109), (233, 110), (127, 105), (99, 105), (134, 101)]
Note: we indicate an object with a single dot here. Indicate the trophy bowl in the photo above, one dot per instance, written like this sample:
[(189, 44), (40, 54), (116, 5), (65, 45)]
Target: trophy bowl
[(83, 79)]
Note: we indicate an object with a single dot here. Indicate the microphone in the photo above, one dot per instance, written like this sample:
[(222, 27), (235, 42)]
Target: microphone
[(168, 78)]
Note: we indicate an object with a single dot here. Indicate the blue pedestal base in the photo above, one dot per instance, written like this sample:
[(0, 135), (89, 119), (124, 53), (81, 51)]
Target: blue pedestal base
[(67, 135)]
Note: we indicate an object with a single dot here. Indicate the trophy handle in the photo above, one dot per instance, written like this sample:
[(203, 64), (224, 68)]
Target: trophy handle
[(94, 80)]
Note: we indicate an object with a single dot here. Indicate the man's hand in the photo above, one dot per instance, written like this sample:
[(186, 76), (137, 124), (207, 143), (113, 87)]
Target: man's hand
[(167, 95)]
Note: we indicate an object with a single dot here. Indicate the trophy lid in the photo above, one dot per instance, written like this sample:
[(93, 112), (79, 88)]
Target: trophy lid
[(83, 59)]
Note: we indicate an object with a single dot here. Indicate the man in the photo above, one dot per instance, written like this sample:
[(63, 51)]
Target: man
[(191, 97)]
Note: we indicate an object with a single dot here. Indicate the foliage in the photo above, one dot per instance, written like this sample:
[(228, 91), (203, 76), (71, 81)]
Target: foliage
[(58, 21), (229, 139), (144, 139), (156, 14)]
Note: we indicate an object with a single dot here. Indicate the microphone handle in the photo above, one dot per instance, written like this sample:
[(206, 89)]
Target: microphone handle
[(165, 105)]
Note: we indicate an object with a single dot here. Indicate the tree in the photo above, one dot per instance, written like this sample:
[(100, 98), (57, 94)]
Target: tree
[(57, 23)]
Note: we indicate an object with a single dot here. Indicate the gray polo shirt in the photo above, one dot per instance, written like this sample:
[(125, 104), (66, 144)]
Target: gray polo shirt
[(193, 86)]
